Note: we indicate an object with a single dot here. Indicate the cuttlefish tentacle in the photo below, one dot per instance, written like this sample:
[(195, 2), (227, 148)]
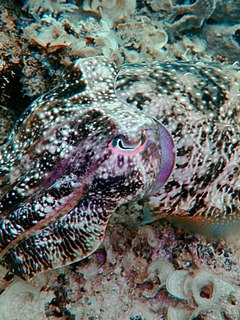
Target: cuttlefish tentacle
[(71, 238), (74, 156)]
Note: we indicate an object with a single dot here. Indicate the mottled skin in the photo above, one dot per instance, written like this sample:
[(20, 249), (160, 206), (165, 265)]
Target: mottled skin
[(62, 175), (200, 105), (59, 177)]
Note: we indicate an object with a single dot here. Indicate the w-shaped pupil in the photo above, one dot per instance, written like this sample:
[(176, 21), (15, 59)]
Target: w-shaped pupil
[(119, 143)]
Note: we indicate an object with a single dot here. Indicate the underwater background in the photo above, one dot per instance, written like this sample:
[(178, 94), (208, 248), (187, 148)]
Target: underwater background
[(140, 271)]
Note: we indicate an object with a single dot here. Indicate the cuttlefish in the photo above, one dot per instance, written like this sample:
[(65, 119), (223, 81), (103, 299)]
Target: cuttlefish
[(70, 161), (199, 103), (167, 134)]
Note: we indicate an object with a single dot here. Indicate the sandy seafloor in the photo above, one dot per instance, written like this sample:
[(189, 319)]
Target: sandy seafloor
[(140, 272)]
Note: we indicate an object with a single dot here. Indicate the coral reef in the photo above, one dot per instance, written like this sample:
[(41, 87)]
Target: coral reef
[(43, 37), (131, 276)]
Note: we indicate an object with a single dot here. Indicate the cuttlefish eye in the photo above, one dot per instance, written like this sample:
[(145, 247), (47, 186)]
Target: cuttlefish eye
[(120, 144)]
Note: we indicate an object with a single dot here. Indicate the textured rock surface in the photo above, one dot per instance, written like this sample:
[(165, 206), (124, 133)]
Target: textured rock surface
[(126, 278)]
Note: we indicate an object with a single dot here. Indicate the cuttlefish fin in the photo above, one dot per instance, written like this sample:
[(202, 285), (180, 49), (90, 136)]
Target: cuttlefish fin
[(149, 216), (221, 227)]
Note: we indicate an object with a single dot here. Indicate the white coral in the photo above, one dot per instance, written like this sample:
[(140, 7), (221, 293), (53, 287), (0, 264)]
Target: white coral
[(208, 291), (111, 10), (48, 6)]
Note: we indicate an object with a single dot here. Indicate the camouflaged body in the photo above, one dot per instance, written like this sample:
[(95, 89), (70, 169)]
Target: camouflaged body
[(199, 103), (60, 180), (44, 223)]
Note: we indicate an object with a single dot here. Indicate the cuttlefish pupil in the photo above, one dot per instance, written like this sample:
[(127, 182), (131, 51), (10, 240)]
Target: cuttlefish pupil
[(120, 145)]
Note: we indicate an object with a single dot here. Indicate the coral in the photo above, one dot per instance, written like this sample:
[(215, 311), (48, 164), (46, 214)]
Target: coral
[(86, 38), (111, 10), (48, 35), (48, 6), (149, 40), (52, 36), (205, 289), (223, 41), (178, 313), (185, 17)]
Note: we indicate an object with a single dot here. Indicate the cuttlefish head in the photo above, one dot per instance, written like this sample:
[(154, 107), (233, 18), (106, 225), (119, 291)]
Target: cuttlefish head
[(137, 156)]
